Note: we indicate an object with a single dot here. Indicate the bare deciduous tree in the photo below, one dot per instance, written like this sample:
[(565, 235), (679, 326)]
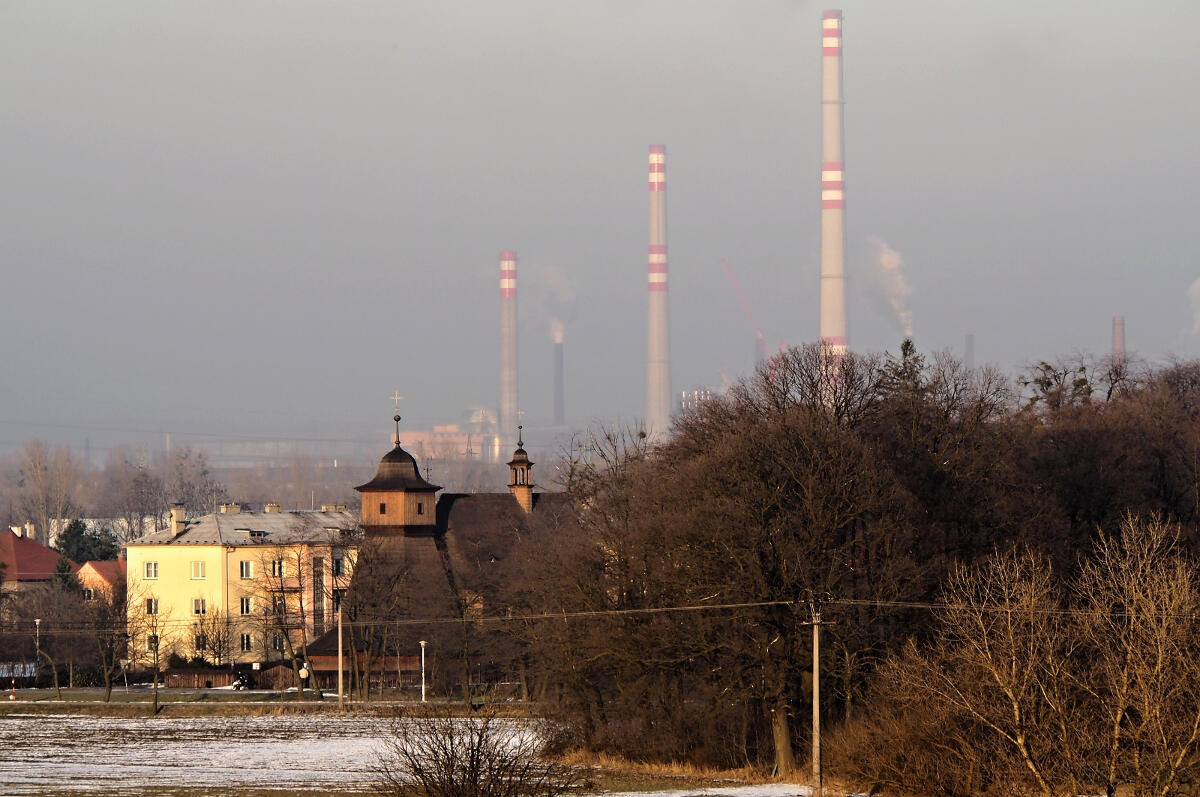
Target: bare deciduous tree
[(440, 755), (48, 479)]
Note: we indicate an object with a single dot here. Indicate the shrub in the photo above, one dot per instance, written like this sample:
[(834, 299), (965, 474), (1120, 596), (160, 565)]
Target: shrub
[(441, 755)]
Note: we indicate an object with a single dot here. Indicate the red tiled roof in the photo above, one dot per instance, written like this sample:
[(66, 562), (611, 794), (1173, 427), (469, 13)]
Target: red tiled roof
[(110, 571), (26, 559)]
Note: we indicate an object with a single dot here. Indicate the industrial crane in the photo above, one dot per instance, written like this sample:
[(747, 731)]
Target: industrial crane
[(741, 295)]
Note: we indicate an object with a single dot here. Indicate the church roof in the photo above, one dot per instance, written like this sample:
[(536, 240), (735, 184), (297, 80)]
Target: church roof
[(398, 472), (482, 529)]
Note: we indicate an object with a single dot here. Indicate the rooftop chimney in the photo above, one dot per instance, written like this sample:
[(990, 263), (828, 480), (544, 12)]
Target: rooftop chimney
[(658, 369), (271, 508), (230, 509), (833, 189), (178, 519)]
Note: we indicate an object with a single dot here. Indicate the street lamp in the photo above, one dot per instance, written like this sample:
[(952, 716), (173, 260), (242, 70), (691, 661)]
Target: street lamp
[(422, 670), (37, 645)]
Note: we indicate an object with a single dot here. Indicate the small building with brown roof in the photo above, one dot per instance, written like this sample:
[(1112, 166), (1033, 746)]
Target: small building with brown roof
[(101, 577)]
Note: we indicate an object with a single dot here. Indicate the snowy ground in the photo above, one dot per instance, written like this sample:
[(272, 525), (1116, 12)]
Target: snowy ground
[(70, 754)]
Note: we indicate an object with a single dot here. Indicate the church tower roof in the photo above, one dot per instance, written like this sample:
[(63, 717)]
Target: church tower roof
[(398, 472)]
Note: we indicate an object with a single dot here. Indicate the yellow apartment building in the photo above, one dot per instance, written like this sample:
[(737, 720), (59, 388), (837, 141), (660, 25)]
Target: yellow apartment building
[(238, 586)]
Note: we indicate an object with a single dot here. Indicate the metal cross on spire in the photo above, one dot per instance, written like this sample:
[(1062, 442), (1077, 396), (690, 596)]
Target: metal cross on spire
[(396, 397)]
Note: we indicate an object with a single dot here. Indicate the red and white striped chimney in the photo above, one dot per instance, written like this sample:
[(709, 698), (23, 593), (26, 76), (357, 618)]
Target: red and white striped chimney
[(658, 370), (1118, 340), (507, 436), (833, 189)]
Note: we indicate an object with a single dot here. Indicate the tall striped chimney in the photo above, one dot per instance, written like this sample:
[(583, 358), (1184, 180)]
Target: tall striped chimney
[(508, 351), (1118, 340), (658, 371), (833, 189), (560, 399)]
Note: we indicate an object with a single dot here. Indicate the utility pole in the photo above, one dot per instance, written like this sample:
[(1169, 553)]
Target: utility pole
[(814, 606), (341, 693)]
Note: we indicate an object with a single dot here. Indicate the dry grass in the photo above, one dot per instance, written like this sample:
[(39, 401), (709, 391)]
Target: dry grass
[(613, 773)]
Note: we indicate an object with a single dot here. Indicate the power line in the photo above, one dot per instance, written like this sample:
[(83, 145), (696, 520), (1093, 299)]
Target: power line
[(75, 627)]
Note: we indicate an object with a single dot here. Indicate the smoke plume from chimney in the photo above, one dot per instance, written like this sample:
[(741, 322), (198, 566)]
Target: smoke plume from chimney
[(891, 286), (550, 299)]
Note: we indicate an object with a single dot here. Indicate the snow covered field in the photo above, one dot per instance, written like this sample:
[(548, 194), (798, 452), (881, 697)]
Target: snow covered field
[(69, 754)]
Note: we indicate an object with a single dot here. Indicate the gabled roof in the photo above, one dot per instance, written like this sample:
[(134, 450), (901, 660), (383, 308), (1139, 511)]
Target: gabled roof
[(108, 571), (259, 528), (26, 559), (481, 530)]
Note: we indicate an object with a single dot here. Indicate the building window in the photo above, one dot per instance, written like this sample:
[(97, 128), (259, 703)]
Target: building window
[(151, 570), (197, 571), (382, 508), (89, 594), (339, 565), (420, 508), (339, 597), (276, 641), (247, 643), (247, 606), (199, 606), (151, 605), (152, 642), (201, 643), (278, 605), (277, 568), (245, 569)]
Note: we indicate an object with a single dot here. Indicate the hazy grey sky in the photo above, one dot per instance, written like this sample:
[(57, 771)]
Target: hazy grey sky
[(265, 217)]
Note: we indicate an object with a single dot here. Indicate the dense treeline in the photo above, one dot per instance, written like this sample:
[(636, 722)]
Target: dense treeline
[(856, 485)]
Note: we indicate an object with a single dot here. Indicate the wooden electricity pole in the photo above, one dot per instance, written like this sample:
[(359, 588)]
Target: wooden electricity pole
[(816, 623), (341, 692)]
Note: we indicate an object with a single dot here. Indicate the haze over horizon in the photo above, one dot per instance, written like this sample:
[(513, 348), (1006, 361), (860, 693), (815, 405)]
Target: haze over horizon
[(263, 219)]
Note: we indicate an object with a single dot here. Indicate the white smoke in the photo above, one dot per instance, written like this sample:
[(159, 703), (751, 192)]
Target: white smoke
[(888, 288), (1193, 293), (550, 298)]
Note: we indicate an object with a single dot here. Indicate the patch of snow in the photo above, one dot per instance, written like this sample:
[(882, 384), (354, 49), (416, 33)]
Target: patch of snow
[(59, 754)]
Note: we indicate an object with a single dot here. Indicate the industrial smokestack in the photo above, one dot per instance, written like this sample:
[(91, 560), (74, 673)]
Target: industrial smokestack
[(1118, 340), (508, 351), (560, 414), (658, 370), (833, 189)]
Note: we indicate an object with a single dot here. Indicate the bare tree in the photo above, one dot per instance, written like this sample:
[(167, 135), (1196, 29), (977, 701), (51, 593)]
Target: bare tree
[(1002, 656), (282, 589), (148, 633), (214, 636), (438, 754), (133, 494), (48, 478), (1142, 595), (106, 617)]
